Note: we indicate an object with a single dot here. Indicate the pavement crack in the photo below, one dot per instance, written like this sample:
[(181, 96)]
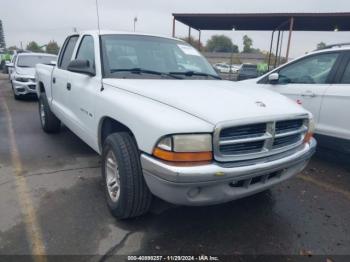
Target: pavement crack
[(51, 172), (114, 249)]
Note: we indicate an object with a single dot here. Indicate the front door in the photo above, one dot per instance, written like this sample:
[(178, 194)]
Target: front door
[(83, 91)]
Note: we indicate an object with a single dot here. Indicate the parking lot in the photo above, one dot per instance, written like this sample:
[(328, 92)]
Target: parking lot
[(52, 201)]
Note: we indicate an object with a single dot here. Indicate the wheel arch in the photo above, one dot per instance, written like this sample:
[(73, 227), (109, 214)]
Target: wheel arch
[(109, 125)]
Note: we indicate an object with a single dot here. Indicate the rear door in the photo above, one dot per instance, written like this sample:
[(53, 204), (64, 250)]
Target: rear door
[(334, 115), (307, 79), (60, 78)]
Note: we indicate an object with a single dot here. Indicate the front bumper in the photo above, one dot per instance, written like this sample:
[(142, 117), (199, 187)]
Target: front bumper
[(24, 88), (218, 183)]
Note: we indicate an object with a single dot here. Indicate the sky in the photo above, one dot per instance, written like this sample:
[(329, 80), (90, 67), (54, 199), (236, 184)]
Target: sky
[(45, 20)]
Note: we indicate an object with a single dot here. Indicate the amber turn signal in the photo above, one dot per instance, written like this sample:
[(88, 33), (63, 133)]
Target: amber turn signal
[(308, 137), (182, 156)]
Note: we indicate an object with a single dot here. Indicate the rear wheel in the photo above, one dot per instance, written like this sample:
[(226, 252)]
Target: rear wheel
[(126, 191), (49, 122)]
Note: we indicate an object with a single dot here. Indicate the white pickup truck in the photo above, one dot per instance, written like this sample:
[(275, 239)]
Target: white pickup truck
[(166, 125)]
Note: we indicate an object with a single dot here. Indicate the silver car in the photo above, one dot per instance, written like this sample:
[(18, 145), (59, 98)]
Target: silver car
[(22, 75)]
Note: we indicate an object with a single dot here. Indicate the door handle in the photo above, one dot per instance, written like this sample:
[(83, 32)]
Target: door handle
[(54, 80), (308, 94), (69, 86)]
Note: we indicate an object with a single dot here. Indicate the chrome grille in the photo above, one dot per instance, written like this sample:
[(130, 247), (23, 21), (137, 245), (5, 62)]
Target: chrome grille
[(242, 148), (288, 125), (239, 132), (244, 141)]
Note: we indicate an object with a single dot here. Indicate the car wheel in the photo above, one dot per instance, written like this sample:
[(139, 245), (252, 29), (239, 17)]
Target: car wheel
[(49, 122), (126, 191)]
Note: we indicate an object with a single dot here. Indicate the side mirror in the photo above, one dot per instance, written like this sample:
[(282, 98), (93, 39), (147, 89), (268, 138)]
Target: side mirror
[(82, 67), (53, 63), (9, 64), (273, 78)]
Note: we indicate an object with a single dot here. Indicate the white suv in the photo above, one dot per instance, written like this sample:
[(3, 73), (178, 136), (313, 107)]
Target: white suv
[(320, 82)]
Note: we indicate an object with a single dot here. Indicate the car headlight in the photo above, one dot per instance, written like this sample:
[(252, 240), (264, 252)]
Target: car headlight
[(310, 130), (185, 148), (21, 79)]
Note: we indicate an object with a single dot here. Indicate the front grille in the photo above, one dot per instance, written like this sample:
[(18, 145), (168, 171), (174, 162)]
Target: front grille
[(287, 140), (288, 125), (242, 148), (238, 132), (257, 140)]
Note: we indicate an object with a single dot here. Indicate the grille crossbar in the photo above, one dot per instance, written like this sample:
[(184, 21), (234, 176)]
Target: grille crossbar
[(256, 140)]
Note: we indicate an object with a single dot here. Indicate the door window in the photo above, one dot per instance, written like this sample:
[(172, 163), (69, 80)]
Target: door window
[(86, 50), (346, 76), (310, 70), (66, 56)]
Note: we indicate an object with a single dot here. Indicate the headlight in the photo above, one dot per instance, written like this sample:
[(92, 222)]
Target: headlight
[(310, 130), (21, 79), (185, 148)]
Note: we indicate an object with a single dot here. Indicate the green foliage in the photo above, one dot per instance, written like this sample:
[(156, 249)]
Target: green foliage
[(321, 45), (192, 41), (34, 47), (52, 48), (12, 48), (247, 44), (221, 43)]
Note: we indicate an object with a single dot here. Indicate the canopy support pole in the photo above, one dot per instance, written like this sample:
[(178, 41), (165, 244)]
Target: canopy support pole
[(279, 56), (199, 40), (277, 46), (173, 26), (291, 25), (268, 65)]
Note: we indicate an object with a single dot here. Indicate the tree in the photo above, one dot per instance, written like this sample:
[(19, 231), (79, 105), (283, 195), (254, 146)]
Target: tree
[(247, 44), (52, 48), (12, 48), (2, 36), (192, 41), (221, 43), (321, 45), (34, 47)]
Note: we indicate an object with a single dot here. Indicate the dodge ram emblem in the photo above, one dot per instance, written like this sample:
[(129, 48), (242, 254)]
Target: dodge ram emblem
[(259, 103)]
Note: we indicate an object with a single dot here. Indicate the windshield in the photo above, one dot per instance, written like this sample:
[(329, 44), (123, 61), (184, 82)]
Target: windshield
[(32, 60), (135, 56)]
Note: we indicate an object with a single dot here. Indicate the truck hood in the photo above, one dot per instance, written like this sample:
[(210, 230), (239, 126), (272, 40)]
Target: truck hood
[(212, 100), (28, 71)]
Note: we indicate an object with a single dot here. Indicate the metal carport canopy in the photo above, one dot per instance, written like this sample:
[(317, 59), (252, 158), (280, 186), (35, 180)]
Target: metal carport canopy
[(339, 21)]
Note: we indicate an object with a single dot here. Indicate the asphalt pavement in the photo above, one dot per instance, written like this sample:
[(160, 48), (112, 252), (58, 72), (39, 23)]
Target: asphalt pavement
[(52, 202)]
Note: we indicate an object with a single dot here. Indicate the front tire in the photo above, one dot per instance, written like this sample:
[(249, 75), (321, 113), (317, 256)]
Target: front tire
[(49, 122), (126, 191)]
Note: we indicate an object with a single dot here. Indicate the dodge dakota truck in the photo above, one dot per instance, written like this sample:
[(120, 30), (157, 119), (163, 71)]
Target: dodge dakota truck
[(165, 124)]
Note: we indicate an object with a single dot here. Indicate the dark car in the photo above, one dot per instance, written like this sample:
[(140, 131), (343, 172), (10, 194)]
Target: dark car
[(247, 71)]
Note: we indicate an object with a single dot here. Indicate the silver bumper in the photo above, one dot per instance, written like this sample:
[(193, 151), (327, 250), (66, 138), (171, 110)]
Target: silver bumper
[(217, 183), (23, 88)]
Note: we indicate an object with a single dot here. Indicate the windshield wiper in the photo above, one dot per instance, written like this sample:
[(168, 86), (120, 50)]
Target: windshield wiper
[(193, 73), (143, 71)]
